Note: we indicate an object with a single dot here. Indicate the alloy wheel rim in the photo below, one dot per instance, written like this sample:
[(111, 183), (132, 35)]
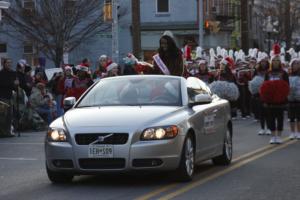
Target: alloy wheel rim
[(228, 145), (189, 157)]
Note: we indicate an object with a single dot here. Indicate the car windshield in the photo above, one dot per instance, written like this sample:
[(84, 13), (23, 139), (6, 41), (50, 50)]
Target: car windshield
[(134, 91)]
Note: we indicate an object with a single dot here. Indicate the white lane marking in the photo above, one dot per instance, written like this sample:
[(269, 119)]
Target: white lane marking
[(20, 143), (19, 159)]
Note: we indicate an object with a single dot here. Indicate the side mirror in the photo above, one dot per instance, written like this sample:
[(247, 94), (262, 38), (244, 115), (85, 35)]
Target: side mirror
[(201, 99), (69, 102)]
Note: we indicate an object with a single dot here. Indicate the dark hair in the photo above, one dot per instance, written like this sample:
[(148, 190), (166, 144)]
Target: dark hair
[(85, 60), (263, 68), (172, 48), (5, 60), (294, 72), (18, 67), (227, 69), (205, 71)]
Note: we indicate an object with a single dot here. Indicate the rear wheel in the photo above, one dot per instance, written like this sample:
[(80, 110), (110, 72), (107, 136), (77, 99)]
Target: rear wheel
[(226, 157), (185, 170), (59, 177)]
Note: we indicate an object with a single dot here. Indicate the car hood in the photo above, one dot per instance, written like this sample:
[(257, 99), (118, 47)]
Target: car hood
[(116, 116)]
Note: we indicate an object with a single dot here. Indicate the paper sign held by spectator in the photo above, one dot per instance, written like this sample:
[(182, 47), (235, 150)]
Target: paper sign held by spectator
[(50, 72)]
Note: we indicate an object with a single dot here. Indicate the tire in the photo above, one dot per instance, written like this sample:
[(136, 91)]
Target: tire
[(59, 177), (226, 157), (186, 167)]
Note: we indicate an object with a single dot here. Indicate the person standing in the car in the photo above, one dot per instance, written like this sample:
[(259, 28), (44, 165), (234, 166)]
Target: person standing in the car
[(169, 59)]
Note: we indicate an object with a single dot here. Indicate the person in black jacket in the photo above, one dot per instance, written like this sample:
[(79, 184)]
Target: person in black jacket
[(20, 70), (8, 83)]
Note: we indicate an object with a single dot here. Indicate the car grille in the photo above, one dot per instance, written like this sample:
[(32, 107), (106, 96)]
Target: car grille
[(116, 138), (149, 162), (102, 163)]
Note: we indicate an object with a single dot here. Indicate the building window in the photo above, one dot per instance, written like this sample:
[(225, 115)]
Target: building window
[(29, 5), (107, 11), (29, 53), (3, 53), (3, 48), (28, 48), (162, 6)]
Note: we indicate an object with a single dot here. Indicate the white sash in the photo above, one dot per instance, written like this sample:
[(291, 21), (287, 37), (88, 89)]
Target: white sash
[(161, 64)]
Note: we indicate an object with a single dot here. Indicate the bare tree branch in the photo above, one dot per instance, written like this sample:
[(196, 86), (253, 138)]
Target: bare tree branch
[(278, 9), (53, 24)]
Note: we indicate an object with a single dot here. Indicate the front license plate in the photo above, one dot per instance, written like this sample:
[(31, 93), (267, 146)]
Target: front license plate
[(101, 151)]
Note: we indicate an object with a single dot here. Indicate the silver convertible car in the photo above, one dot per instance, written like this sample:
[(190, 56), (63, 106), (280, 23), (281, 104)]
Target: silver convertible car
[(142, 122)]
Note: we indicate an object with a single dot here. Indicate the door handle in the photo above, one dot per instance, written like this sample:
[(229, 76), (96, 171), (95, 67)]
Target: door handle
[(215, 110)]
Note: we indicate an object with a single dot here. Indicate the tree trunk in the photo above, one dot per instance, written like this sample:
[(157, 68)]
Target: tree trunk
[(287, 24), (136, 31), (58, 56)]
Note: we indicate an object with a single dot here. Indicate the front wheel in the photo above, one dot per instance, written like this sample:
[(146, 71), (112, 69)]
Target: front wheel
[(226, 157), (59, 177), (185, 170)]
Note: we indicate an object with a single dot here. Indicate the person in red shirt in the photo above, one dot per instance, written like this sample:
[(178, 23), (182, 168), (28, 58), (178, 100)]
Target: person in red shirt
[(274, 93), (101, 70), (82, 82)]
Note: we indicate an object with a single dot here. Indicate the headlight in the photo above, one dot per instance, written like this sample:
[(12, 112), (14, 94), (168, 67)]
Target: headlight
[(56, 135), (159, 133)]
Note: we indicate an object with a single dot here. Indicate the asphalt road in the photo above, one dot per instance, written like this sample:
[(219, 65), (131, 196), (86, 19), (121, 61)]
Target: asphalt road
[(259, 171)]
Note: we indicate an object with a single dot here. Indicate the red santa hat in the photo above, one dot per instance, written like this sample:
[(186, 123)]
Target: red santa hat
[(187, 52), (111, 66), (103, 57), (108, 63), (275, 50), (130, 59), (227, 61)]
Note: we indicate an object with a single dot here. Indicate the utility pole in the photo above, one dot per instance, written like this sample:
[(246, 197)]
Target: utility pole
[(136, 28), (201, 19), (115, 31), (244, 25)]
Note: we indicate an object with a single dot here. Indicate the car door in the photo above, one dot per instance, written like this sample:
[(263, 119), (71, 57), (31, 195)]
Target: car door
[(214, 126), (202, 123), (207, 120)]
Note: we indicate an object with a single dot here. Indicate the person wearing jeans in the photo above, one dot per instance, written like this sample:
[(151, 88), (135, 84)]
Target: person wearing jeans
[(48, 111), (43, 103)]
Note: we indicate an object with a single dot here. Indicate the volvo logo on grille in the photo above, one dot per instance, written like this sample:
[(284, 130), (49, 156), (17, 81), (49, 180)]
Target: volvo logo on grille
[(102, 138)]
